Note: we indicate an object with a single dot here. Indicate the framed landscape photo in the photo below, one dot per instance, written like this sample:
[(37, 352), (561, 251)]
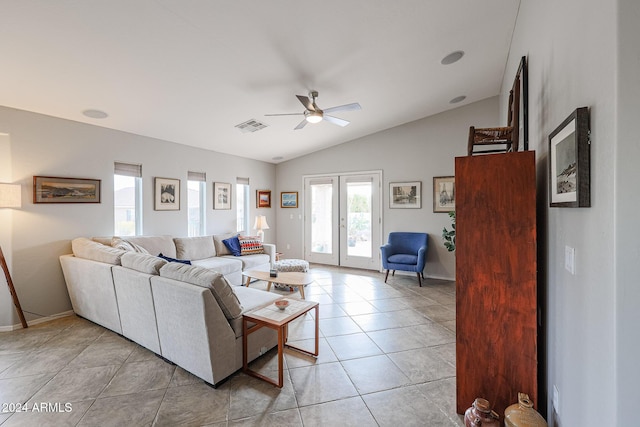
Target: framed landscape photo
[(569, 162), (263, 198), (405, 195), (221, 195), (289, 199), (50, 189), (444, 194), (167, 194)]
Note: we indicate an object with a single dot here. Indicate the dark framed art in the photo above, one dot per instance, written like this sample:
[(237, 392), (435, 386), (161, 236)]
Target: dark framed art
[(405, 195), (221, 195), (263, 198), (167, 194), (444, 194), (289, 199), (50, 189), (569, 162)]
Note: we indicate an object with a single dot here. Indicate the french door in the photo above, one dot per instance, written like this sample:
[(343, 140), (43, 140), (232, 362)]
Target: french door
[(343, 220)]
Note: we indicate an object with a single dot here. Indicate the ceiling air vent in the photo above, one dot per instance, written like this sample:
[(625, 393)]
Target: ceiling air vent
[(251, 125)]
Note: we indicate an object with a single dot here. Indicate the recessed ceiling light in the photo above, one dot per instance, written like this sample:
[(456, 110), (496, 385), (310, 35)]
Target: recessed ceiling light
[(457, 99), (452, 57), (95, 114)]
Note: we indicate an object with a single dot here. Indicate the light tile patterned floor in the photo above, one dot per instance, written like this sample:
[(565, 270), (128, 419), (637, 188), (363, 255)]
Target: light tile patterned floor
[(387, 358)]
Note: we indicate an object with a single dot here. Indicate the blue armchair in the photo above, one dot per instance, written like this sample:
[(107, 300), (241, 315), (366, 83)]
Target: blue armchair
[(405, 251)]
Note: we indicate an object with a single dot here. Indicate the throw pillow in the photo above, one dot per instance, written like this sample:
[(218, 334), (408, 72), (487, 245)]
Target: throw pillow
[(128, 246), (250, 245), (233, 244), (182, 261)]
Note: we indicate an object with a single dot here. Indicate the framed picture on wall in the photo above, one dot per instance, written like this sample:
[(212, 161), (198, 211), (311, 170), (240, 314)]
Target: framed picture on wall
[(221, 195), (289, 199), (444, 194), (167, 194), (405, 195), (569, 162), (263, 198), (49, 189)]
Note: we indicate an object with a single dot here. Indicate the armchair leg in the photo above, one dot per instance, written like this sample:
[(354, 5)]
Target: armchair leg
[(419, 279), (386, 276)]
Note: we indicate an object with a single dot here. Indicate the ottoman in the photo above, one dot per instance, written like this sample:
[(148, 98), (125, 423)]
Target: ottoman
[(290, 265)]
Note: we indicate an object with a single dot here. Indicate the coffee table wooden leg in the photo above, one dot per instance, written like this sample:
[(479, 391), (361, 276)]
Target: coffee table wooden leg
[(269, 286), (248, 281), (301, 289)]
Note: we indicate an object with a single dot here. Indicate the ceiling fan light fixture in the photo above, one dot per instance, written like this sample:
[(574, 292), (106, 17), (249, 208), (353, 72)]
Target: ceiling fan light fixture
[(313, 116)]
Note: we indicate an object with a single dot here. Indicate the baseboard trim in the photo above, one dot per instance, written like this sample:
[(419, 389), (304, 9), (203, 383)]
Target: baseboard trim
[(36, 321)]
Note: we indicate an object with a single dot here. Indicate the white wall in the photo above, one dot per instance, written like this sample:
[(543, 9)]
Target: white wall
[(416, 151), (627, 231), (571, 48), (43, 145)]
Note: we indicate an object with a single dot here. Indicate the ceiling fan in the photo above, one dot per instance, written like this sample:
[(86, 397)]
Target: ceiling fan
[(313, 114)]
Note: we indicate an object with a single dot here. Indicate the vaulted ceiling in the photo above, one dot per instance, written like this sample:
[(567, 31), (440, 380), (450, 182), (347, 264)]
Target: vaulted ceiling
[(189, 71)]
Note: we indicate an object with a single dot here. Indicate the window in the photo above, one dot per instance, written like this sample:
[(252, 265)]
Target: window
[(242, 204), (127, 199), (196, 202)]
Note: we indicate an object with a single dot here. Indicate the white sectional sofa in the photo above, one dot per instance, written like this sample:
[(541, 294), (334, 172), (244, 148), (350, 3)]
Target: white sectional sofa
[(188, 314)]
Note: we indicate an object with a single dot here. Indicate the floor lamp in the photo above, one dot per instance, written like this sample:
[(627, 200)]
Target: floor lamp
[(10, 198)]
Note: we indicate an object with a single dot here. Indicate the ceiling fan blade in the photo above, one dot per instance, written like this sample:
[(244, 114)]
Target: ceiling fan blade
[(348, 107), (302, 124), (306, 102), (285, 114), (335, 120)]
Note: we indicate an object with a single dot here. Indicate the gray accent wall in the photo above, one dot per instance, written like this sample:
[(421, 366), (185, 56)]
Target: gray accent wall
[(415, 151), (585, 53), (39, 233)]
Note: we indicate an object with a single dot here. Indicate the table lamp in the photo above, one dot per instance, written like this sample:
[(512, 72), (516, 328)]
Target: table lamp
[(260, 225)]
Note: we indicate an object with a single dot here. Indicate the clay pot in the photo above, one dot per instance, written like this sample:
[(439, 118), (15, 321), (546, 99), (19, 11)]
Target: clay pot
[(480, 414), (522, 414)]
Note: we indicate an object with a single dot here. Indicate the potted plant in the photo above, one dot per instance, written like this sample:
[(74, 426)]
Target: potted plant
[(449, 236)]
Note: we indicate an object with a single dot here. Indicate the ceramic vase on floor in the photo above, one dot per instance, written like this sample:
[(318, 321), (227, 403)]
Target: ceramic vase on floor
[(480, 414)]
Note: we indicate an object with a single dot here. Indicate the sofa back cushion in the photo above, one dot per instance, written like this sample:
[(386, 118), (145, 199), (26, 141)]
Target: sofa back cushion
[(144, 263), (221, 248), (88, 249), (194, 247), (205, 278), (155, 244)]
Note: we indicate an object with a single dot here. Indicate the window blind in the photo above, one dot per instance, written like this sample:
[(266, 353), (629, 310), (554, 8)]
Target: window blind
[(128, 169), (243, 181), (196, 176)]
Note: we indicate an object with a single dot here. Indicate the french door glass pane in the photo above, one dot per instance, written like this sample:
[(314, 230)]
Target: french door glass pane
[(321, 218), (359, 216)]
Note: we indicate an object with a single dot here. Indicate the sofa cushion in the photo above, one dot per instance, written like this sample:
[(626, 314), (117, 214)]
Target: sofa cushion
[(194, 247), (169, 259), (221, 248), (233, 245), (250, 245), (144, 263), (220, 288), (223, 265), (128, 246), (88, 249), (250, 298), (155, 244), (251, 261)]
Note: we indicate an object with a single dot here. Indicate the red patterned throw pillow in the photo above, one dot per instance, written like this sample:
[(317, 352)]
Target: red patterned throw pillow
[(250, 245)]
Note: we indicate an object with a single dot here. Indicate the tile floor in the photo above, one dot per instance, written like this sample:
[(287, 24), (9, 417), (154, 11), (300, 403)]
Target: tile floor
[(387, 358)]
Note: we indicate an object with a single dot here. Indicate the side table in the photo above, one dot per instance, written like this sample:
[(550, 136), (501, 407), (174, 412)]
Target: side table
[(270, 316)]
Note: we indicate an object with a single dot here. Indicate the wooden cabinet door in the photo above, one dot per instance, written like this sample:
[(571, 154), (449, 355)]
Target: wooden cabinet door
[(496, 336)]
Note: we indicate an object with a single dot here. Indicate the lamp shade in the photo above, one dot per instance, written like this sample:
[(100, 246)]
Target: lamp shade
[(10, 196), (261, 223)]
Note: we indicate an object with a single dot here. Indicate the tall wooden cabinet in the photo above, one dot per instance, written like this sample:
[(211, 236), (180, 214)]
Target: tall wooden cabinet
[(496, 335)]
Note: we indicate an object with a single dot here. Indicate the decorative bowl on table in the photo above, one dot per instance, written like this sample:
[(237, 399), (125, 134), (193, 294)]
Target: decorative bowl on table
[(281, 304)]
